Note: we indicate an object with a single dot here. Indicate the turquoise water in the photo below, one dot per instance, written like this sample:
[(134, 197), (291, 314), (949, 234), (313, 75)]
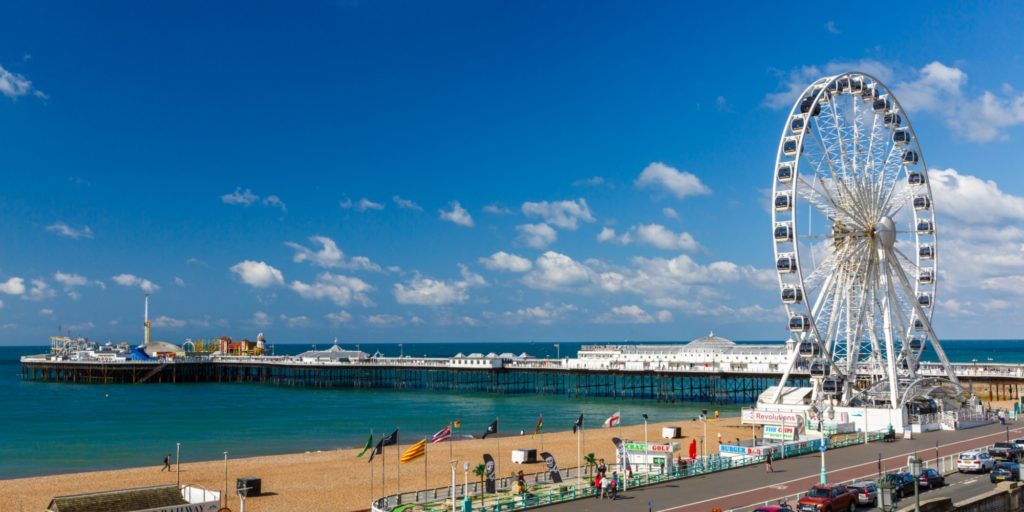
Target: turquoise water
[(59, 428)]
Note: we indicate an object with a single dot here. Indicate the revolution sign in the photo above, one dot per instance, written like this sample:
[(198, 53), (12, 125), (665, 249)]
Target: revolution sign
[(756, 417)]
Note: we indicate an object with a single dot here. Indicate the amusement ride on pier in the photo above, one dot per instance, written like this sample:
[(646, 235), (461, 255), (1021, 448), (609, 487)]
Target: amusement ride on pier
[(858, 280)]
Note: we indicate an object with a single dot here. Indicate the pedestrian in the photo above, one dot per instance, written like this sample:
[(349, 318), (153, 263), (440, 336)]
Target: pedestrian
[(167, 463), (602, 468), (597, 486), (719, 439), (768, 462), (615, 485), (606, 487)]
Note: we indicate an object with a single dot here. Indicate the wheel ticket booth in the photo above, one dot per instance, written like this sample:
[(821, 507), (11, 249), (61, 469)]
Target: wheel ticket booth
[(656, 458), (778, 429)]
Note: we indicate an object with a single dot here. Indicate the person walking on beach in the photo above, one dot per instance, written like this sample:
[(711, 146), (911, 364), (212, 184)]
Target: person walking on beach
[(768, 463), (167, 463)]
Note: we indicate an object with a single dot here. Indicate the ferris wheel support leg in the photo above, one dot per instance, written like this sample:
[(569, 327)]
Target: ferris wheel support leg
[(785, 375), (890, 345)]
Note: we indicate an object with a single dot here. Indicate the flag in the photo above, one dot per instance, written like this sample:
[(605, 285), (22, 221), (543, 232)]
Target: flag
[(442, 435), (612, 420), (540, 424), (415, 451), (369, 444), (456, 424), (578, 425), (491, 429), (693, 449), (391, 438), (376, 450)]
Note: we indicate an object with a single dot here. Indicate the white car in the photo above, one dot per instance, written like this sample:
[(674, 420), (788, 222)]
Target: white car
[(975, 461)]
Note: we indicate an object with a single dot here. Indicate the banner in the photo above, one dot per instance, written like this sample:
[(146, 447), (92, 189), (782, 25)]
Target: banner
[(549, 459), (489, 479), (622, 455), (768, 417), (779, 433)]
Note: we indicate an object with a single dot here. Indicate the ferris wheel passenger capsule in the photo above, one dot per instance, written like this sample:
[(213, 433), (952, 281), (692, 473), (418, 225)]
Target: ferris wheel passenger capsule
[(925, 276), (791, 146), (922, 203), (926, 252), (820, 368), (785, 172), (784, 232), (925, 227), (808, 349), (809, 106), (797, 125), (786, 263), (916, 343), (924, 299), (799, 323), (915, 178), (892, 119), (830, 386), (910, 157), (918, 325), (901, 136), (881, 104), (870, 93), (783, 202), (792, 294), (856, 84)]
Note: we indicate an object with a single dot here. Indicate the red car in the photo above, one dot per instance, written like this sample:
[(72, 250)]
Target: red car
[(828, 498)]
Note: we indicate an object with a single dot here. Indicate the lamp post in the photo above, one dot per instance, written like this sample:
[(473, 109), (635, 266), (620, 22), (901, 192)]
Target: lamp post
[(465, 478), (645, 431), (704, 440), (558, 351), (914, 465), (225, 479), (453, 463), (823, 477), (973, 372), (177, 462)]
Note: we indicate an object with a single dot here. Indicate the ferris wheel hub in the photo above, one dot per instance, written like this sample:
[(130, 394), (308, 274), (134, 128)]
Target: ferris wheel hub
[(885, 232)]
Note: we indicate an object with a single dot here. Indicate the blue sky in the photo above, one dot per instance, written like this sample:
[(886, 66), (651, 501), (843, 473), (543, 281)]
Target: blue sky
[(295, 169)]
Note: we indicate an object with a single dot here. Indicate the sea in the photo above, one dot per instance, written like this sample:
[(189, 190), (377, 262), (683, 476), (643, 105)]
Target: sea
[(50, 428)]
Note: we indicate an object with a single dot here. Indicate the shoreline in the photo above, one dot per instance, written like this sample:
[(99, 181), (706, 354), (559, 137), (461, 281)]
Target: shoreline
[(337, 480)]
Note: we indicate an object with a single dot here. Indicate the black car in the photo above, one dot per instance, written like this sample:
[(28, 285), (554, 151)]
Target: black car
[(1005, 471), (930, 479), (902, 483), (1001, 453)]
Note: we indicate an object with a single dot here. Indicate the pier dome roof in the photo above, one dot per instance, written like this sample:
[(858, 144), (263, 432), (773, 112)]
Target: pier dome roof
[(709, 342)]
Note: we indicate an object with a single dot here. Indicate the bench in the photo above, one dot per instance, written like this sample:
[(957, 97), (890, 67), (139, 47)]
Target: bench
[(889, 437)]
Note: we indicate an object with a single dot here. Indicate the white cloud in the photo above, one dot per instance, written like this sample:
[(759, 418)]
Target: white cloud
[(295, 321), (632, 314), (179, 281), (339, 318), (502, 260), (166, 321), (670, 213), (608, 234), (830, 26), (67, 231), (39, 291), (239, 196), (362, 205), (330, 256), (339, 289), (593, 181), (563, 214), (406, 204), (497, 210), (457, 215), (554, 270), (70, 280), (385, 320), (13, 286), (83, 326), (973, 200), (545, 314), (261, 319), (680, 184), (258, 274), (45, 312), (537, 236), (661, 237), (275, 202), (433, 292), (145, 285), (14, 85), (795, 82)]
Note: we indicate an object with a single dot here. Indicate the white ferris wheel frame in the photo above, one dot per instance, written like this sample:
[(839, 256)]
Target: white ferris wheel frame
[(871, 188)]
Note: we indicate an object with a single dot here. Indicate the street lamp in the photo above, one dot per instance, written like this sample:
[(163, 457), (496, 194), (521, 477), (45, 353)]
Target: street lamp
[(645, 431), (973, 372), (453, 463), (177, 462), (914, 465), (225, 479), (558, 350), (465, 479), (704, 441), (823, 477)]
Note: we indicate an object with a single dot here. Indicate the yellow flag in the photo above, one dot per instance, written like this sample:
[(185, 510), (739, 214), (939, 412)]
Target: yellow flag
[(415, 451)]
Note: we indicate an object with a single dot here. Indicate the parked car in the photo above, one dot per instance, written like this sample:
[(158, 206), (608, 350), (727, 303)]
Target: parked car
[(975, 461), (902, 482), (867, 492), (1013, 447), (930, 479), (1003, 452), (1019, 442), (1005, 471), (827, 498)]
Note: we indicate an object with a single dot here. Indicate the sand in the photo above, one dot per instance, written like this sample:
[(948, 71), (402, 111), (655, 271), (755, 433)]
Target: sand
[(337, 480)]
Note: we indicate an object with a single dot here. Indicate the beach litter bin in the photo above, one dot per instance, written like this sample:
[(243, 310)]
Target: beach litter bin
[(249, 487), (524, 456), (671, 432)]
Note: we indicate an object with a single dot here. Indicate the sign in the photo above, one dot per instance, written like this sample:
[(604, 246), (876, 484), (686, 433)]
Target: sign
[(649, 447), (769, 417), (779, 433)]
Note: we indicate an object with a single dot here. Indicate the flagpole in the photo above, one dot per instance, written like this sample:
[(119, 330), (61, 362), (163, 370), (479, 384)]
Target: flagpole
[(579, 463), (425, 486), (398, 449), (372, 475), (497, 463), (451, 437)]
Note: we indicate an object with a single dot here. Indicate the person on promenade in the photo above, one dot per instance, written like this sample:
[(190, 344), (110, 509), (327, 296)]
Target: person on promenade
[(167, 463), (768, 463), (606, 487), (602, 468), (615, 485), (597, 485)]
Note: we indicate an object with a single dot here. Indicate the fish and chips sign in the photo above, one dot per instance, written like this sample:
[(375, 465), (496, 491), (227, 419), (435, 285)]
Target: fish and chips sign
[(779, 433), (756, 417)]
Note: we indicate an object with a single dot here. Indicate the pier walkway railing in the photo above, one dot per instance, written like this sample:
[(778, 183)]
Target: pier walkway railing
[(541, 490)]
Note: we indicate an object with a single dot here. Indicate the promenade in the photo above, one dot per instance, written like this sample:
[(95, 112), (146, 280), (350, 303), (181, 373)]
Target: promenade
[(746, 486)]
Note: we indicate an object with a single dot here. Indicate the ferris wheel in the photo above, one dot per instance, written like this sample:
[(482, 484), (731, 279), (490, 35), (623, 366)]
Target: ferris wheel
[(856, 247)]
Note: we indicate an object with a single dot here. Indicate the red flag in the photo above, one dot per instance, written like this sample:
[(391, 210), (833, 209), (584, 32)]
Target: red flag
[(693, 449)]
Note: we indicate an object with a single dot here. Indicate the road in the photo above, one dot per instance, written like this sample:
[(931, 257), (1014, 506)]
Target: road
[(739, 488)]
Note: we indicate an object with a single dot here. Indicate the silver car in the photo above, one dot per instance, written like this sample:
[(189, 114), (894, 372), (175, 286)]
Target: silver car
[(867, 492)]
